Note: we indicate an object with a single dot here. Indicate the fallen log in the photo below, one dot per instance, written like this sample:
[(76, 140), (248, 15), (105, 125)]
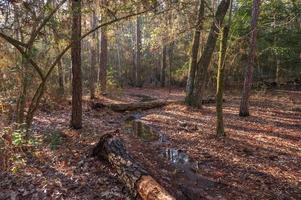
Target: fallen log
[(134, 176), (122, 107)]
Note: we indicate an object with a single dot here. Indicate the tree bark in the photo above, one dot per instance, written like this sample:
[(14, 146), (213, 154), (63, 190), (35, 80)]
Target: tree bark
[(203, 63), (138, 81), (220, 82), (170, 63), (244, 104), (194, 53), (93, 55), (23, 93), (76, 116), (163, 66), (60, 78), (133, 175), (103, 60)]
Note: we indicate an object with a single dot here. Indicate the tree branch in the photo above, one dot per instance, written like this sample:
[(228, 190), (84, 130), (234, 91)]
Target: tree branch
[(17, 44), (12, 40), (44, 22)]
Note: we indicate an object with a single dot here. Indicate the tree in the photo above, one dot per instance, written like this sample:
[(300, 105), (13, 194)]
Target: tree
[(194, 53), (244, 104), (203, 63), (138, 53), (220, 75), (163, 65), (103, 58), (76, 115), (93, 46)]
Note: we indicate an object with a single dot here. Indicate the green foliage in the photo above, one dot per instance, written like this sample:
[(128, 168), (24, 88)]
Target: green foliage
[(15, 144), (279, 36), (54, 139)]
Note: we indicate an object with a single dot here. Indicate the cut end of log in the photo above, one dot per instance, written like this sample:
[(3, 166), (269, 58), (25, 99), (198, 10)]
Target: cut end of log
[(149, 189)]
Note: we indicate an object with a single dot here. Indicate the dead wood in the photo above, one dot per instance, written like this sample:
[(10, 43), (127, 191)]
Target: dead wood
[(133, 175)]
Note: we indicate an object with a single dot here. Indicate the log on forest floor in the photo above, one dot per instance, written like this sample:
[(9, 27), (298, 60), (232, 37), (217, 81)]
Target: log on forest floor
[(134, 176), (122, 107), (134, 106)]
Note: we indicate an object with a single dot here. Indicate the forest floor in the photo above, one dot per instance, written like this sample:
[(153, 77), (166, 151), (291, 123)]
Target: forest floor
[(259, 159)]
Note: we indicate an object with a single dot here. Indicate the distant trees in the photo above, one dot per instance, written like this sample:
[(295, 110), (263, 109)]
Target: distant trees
[(244, 104), (38, 31), (76, 114)]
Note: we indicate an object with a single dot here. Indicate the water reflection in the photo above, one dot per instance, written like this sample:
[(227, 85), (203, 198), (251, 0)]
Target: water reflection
[(142, 130), (175, 156)]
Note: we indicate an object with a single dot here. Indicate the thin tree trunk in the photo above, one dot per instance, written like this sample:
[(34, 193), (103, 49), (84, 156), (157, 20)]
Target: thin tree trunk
[(61, 78), (93, 55), (203, 64), (244, 104), (220, 82), (119, 70), (170, 59), (163, 66), (23, 93), (76, 116), (138, 82), (194, 53)]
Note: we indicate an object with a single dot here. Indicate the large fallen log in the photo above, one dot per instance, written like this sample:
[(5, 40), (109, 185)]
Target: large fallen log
[(134, 176), (121, 107)]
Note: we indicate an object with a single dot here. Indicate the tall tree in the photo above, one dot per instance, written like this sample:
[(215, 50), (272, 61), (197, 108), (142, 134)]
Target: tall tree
[(76, 115), (244, 104), (163, 65), (93, 49), (138, 53), (194, 53), (103, 58), (203, 63), (220, 75)]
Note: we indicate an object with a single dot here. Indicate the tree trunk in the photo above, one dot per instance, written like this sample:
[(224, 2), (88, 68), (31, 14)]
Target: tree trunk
[(163, 66), (244, 104), (134, 176), (61, 89), (194, 53), (170, 59), (93, 55), (76, 116), (203, 64), (220, 82), (138, 70), (23, 93), (103, 60)]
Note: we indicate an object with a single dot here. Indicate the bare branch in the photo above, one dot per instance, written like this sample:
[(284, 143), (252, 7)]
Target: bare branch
[(12, 40), (44, 22), (18, 45)]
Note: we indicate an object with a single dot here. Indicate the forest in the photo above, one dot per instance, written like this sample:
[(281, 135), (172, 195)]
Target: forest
[(150, 99)]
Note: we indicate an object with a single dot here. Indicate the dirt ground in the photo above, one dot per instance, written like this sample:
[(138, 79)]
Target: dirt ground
[(259, 159)]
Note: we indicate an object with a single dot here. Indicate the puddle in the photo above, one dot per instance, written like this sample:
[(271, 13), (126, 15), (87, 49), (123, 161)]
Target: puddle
[(175, 156), (133, 125), (185, 174)]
